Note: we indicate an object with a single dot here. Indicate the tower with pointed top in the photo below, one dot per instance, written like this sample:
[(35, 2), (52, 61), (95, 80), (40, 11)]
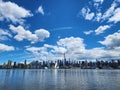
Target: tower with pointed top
[(64, 59)]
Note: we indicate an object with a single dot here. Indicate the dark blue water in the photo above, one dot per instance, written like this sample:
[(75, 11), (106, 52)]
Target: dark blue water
[(71, 79)]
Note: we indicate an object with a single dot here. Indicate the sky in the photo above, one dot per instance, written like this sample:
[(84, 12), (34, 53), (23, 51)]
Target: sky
[(46, 29)]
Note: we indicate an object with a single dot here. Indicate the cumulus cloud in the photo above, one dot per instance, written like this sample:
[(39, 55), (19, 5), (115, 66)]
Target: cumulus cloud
[(72, 42), (116, 16), (56, 49), (87, 14), (74, 48), (12, 12), (91, 53), (4, 47), (71, 46), (98, 1), (110, 15), (22, 33), (101, 29), (42, 34), (40, 10), (113, 13), (98, 31), (98, 16), (37, 50), (88, 32), (42, 53), (4, 35), (74, 52), (109, 12), (102, 53), (112, 41), (63, 45)]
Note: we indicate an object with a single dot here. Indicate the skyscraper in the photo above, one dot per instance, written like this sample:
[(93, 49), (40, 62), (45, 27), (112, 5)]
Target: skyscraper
[(25, 64), (64, 60), (14, 65), (9, 65)]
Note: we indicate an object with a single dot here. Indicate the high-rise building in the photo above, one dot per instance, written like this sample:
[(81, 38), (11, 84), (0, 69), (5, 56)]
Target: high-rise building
[(25, 64), (4, 65), (9, 65), (14, 65), (64, 60)]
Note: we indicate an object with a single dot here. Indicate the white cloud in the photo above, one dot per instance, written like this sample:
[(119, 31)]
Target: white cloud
[(42, 34), (56, 49), (41, 53), (98, 16), (4, 47), (37, 50), (59, 50), (47, 52), (112, 41), (98, 1), (116, 16), (12, 12), (98, 31), (73, 46), (22, 34), (102, 53), (40, 10), (91, 53), (113, 13), (72, 42), (4, 35), (74, 49), (110, 11), (88, 32), (70, 46), (110, 15), (101, 29), (87, 14)]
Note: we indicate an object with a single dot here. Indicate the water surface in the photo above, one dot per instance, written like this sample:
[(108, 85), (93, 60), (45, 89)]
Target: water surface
[(59, 79)]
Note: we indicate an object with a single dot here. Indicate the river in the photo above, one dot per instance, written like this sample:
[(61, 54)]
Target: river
[(59, 79)]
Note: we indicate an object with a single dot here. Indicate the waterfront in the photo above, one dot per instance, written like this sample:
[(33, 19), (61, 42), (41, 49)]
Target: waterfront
[(63, 64), (59, 79)]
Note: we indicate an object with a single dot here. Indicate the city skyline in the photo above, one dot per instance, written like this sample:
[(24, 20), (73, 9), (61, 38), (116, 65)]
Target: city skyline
[(45, 30), (63, 64)]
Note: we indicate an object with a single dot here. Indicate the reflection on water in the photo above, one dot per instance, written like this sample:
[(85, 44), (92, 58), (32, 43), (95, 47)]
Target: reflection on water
[(59, 79)]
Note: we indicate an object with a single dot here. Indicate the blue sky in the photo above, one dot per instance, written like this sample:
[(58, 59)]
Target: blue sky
[(45, 30)]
